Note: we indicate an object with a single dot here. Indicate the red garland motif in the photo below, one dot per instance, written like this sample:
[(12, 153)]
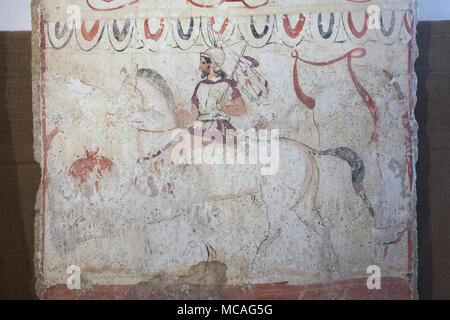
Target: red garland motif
[(206, 5), (356, 33), (88, 2), (310, 103), (89, 35), (220, 2), (253, 7), (293, 32), (224, 25), (154, 36), (408, 26)]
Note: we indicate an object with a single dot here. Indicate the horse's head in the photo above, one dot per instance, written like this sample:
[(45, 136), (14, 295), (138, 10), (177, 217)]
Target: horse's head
[(158, 112), (156, 118)]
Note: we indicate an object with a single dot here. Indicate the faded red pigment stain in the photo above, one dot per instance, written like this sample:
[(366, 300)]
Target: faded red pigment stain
[(60, 292), (410, 249), (412, 31), (90, 163), (385, 252), (134, 86), (395, 84), (156, 166), (394, 288), (407, 125), (46, 138)]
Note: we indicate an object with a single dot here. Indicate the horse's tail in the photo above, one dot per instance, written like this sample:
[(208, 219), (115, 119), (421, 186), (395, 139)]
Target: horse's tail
[(354, 161), (357, 166)]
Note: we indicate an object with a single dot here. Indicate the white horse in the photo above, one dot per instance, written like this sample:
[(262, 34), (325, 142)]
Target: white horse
[(292, 190)]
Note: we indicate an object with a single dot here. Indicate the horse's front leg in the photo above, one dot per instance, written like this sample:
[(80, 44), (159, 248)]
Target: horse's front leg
[(273, 233)]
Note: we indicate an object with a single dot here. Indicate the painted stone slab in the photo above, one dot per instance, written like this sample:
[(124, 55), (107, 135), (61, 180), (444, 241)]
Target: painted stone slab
[(225, 149)]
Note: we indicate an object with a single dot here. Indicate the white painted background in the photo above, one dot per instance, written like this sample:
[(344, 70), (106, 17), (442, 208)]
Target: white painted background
[(15, 14)]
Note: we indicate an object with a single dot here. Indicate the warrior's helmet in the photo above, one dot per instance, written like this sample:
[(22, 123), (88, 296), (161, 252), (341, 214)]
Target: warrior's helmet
[(217, 57)]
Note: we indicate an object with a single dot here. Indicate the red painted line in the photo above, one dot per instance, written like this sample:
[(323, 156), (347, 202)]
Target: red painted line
[(44, 136), (110, 9), (410, 250), (310, 103), (206, 5), (409, 27), (222, 28), (220, 2), (395, 288), (156, 131), (398, 89), (356, 33), (253, 7)]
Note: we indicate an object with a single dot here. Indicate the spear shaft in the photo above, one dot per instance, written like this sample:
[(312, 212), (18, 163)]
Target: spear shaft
[(234, 70)]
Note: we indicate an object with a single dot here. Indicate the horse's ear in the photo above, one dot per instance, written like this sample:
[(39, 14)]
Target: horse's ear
[(86, 151), (96, 152)]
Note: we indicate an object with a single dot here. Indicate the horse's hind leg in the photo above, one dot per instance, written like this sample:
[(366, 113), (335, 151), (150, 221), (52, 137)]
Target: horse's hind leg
[(279, 194), (311, 218), (308, 212), (273, 232)]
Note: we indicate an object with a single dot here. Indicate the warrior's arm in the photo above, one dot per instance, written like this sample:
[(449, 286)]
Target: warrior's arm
[(185, 118), (237, 109), (194, 108), (194, 111)]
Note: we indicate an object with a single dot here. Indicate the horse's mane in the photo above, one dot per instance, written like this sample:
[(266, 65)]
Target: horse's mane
[(159, 82)]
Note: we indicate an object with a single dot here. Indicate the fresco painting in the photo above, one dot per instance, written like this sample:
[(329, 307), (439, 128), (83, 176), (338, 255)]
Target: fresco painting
[(245, 149)]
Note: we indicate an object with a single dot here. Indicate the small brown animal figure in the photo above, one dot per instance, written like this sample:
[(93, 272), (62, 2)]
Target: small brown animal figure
[(92, 162)]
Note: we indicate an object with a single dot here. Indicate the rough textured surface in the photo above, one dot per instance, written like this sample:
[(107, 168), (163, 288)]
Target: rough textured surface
[(108, 94)]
